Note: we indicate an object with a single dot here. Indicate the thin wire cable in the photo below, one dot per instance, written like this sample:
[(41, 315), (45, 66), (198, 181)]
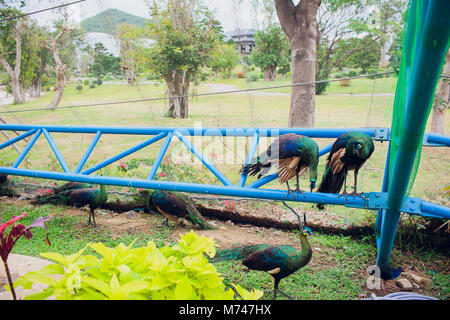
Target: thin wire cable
[(197, 95), (42, 10)]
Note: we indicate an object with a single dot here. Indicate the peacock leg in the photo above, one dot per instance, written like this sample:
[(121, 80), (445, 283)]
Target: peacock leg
[(290, 190), (355, 193), (93, 219), (275, 288), (345, 193), (297, 189)]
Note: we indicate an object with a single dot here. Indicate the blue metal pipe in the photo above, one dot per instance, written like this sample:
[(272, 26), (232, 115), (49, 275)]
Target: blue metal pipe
[(326, 198), (238, 132), (18, 138), (88, 152), (438, 139), (27, 148), (264, 180), (56, 151), (160, 156), (435, 209), (326, 149), (251, 153), (125, 153), (219, 175)]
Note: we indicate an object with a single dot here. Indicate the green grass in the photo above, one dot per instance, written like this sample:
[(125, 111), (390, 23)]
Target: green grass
[(363, 85)]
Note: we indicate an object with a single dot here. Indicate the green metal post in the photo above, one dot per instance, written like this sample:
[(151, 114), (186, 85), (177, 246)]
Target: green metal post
[(430, 49)]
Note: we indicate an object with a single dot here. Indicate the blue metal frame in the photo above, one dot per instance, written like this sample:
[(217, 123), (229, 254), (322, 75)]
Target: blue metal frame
[(422, 79), (374, 200)]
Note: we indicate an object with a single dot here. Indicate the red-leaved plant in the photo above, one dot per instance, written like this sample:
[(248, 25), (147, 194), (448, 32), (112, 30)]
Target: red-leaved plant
[(9, 240)]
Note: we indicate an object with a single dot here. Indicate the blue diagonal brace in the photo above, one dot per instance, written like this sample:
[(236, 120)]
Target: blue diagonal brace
[(125, 153), (88, 152), (160, 156), (251, 153), (56, 151), (27, 148), (18, 138), (219, 175)]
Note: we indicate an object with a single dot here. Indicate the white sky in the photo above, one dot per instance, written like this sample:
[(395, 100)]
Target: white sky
[(231, 13)]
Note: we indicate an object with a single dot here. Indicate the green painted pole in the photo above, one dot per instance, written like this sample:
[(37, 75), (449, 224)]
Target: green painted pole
[(430, 49)]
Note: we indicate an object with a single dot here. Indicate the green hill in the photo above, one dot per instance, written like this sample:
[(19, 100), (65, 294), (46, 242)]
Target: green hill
[(108, 21)]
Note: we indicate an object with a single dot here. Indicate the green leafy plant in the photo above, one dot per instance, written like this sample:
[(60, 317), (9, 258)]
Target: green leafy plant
[(181, 271)]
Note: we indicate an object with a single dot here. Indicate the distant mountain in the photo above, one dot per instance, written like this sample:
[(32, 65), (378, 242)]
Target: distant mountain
[(108, 21)]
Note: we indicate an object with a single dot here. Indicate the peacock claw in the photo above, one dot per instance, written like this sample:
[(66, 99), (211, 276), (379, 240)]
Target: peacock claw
[(357, 194), (344, 194)]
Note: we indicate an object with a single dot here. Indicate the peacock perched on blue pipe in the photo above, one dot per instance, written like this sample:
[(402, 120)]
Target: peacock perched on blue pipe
[(349, 152), (292, 154), (279, 261)]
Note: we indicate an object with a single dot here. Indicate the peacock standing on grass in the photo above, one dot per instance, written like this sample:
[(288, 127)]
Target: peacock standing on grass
[(60, 195), (349, 152), (386, 272), (89, 196), (7, 187), (292, 154), (173, 205), (279, 261)]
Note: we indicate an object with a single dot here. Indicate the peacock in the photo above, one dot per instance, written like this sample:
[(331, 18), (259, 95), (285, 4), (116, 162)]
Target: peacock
[(89, 196), (7, 187), (292, 154), (386, 272), (60, 195), (279, 261), (174, 205), (349, 152)]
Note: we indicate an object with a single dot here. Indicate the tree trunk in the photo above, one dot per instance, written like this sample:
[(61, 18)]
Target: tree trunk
[(299, 24), (178, 87), (270, 73), (16, 87), (382, 63), (441, 100), (17, 91), (60, 84), (60, 71), (35, 88)]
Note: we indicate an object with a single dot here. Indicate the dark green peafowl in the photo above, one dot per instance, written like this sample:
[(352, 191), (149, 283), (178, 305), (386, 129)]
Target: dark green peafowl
[(174, 205), (89, 196), (279, 261), (7, 187), (385, 272), (349, 152), (60, 195), (292, 154)]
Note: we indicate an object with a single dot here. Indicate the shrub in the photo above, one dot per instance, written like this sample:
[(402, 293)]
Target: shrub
[(352, 73), (92, 86), (253, 76), (99, 81), (79, 87), (178, 272), (94, 81), (240, 75), (86, 82)]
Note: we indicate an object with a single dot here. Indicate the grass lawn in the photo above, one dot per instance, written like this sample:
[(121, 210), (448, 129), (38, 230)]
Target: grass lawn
[(342, 275)]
